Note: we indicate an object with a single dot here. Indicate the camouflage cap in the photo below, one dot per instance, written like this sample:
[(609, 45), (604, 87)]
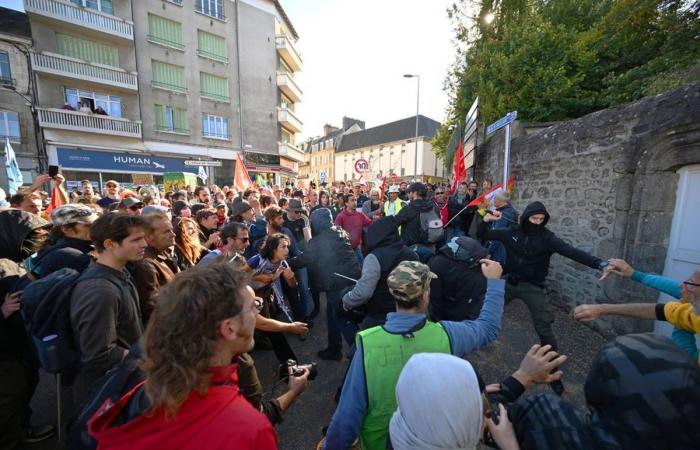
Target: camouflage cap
[(408, 280)]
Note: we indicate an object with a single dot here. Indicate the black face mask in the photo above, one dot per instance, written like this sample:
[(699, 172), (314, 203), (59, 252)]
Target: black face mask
[(531, 228)]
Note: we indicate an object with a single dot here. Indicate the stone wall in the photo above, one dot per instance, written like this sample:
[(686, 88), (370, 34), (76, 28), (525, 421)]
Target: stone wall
[(609, 182)]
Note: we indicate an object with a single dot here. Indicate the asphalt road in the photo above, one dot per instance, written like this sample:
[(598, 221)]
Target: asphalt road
[(302, 424)]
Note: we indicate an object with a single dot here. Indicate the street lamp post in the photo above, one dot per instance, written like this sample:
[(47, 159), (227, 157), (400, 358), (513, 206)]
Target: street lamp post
[(415, 152)]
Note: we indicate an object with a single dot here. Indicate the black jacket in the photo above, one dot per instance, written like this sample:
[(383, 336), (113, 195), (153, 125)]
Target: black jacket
[(642, 393), (458, 291), (384, 243), (328, 252), (16, 227), (529, 247), (409, 220), (464, 220), (66, 252), (13, 336), (105, 318)]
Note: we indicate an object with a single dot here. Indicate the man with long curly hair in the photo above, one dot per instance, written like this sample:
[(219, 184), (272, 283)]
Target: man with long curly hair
[(203, 319)]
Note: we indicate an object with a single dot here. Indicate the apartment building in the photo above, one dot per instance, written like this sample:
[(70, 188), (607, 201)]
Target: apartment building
[(16, 95), (151, 89), (389, 149)]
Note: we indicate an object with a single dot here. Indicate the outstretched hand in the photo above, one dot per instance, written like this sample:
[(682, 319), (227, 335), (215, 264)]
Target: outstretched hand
[(588, 313), (540, 365)]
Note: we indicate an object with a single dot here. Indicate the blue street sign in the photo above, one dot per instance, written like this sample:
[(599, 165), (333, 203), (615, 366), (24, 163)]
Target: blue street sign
[(78, 159), (502, 122), (322, 176)]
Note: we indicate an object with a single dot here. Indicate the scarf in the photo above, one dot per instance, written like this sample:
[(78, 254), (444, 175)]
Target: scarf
[(267, 267), (439, 405)]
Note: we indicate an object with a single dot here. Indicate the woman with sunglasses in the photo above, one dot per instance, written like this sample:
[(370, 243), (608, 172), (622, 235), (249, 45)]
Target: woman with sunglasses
[(187, 246)]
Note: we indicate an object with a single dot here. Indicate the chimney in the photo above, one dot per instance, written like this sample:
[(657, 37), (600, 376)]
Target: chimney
[(328, 129)]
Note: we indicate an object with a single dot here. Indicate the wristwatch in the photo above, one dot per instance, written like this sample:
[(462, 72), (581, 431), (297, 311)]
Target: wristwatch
[(603, 265)]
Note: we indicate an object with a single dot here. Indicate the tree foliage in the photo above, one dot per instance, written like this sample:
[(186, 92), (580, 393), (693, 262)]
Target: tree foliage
[(560, 59)]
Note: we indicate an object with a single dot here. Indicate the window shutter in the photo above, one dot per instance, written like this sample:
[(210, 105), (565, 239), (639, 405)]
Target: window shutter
[(213, 87), (165, 31), (169, 76), (87, 50), (161, 123), (211, 46)]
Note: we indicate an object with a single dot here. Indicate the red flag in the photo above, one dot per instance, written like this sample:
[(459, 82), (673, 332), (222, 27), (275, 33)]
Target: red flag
[(488, 196), (56, 200), (381, 195), (241, 178), (459, 172)]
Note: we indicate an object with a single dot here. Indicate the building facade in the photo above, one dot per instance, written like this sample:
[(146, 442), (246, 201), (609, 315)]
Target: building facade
[(16, 95), (388, 151), (175, 82), (320, 151)]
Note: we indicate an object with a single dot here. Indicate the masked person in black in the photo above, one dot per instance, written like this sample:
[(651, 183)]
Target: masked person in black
[(458, 291), (386, 251), (529, 246)]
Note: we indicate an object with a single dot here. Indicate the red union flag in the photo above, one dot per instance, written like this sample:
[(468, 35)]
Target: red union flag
[(459, 171), (487, 197), (241, 178)]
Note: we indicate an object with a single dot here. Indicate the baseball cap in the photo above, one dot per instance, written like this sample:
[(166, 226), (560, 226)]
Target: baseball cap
[(218, 203), (408, 280), (130, 202), (393, 189), (295, 205), (73, 213), (239, 207)]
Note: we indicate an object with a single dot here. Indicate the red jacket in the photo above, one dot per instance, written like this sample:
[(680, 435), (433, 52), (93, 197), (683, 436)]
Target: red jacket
[(222, 419)]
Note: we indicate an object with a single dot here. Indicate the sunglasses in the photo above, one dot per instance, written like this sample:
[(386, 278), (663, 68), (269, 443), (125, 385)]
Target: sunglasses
[(136, 208), (439, 193)]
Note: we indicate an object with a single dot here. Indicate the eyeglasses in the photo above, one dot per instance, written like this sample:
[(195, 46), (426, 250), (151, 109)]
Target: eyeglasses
[(440, 193), (690, 283)]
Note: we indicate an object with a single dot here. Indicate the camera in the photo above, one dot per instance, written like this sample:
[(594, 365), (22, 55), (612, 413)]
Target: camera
[(299, 371)]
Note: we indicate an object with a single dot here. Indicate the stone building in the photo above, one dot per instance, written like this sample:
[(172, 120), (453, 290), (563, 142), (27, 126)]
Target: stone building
[(622, 182), (390, 149), (17, 96)]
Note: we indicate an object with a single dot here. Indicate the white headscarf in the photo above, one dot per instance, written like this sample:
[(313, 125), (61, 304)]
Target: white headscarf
[(439, 405)]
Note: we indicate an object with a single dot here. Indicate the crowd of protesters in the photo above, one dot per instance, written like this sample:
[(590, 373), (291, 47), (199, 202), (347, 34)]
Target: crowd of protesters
[(148, 304)]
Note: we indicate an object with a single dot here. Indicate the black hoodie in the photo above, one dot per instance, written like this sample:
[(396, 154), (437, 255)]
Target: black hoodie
[(529, 247), (16, 241), (642, 393), (458, 292), (327, 253), (384, 243), (409, 220)]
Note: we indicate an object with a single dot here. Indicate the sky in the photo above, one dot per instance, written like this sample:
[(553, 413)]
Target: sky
[(355, 54)]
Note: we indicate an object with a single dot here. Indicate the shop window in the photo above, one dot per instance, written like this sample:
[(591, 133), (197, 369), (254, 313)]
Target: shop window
[(78, 98), (9, 126)]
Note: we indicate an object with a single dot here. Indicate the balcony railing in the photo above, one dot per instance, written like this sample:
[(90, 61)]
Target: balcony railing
[(86, 17), (286, 83), (289, 120), (288, 51), (291, 151), (89, 123), (75, 68)]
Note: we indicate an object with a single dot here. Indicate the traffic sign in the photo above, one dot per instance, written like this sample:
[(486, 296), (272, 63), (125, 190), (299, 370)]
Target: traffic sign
[(361, 166), (502, 122), (204, 162), (322, 176)]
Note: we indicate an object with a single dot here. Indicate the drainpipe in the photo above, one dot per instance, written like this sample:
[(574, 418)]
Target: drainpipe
[(238, 75)]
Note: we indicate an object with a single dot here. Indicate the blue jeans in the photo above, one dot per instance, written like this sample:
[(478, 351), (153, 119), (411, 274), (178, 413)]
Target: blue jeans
[(358, 253), (338, 326)]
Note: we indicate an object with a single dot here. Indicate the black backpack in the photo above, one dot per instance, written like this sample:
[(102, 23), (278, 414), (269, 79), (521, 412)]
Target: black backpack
[(112, 387), (46, 312), (431, 230)]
